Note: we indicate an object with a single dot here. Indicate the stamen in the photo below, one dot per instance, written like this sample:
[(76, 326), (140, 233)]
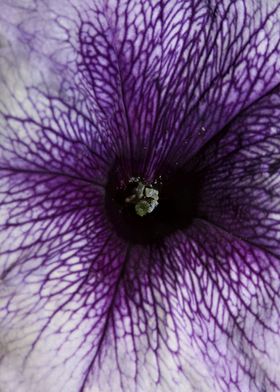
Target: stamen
[(145, 198)]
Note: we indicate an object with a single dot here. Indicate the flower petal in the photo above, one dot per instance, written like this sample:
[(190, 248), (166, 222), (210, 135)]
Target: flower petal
[(229, 304), (241, 169), (73, 305), (178, 69), (163, 78)]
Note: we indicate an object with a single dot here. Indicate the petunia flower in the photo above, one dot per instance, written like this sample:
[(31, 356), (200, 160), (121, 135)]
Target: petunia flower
[(140, 195)]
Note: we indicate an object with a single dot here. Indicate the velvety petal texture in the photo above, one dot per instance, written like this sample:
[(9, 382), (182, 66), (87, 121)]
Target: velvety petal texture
[(139, 88)]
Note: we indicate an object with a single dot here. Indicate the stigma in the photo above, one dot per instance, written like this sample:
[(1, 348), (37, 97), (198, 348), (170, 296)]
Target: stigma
[(144, 197)]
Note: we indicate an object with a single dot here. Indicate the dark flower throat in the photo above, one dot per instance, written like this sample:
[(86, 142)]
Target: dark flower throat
[(177, 206)]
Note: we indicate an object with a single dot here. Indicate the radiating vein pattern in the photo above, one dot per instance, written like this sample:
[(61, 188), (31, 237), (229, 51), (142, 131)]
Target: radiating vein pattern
[(185, 96)]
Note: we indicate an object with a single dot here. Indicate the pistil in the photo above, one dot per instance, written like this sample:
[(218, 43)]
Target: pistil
[(144, 197)]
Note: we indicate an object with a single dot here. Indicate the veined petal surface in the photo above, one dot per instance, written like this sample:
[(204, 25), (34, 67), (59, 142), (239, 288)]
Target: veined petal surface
[(191, 83)]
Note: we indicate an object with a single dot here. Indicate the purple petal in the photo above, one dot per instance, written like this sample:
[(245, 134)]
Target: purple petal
[(229, 299), (241, 167), (178, 70), (81, 85)]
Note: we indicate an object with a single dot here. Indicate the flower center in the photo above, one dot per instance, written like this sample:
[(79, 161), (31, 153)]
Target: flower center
[(146, 212), (144, 197)]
